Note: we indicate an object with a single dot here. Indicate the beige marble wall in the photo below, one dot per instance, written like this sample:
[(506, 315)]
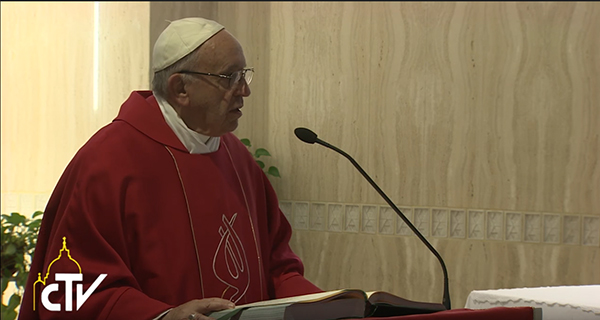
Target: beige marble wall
[(62, 79), (46, 86), (476, 105)]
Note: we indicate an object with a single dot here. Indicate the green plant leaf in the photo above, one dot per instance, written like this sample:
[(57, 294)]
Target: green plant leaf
[(10, 249), (8, 314), (261, 152), (246, 142), (273, 171), (35, 224), (5, 282), (14, 301), (260, 164), (15, 218), (22, 279), (19, 237)]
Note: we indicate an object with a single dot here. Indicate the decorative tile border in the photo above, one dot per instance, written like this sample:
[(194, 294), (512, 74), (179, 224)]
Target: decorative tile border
[(513, 230), (533, 227), (317, 219), (475, 224), (387, 220), (422, 220), (335, 218), (439, 222), (457, 223), (551, 224), (571, 230), (352, 218), (494, 227), (401, 227), (300, 215), (369, 219), (591, 227)]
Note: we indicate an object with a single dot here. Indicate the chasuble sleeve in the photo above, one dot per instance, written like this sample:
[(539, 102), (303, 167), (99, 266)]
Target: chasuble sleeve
[(287, 269), (82, 232)]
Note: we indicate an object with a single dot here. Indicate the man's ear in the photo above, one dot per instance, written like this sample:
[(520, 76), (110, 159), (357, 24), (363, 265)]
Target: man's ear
[(177, 90)]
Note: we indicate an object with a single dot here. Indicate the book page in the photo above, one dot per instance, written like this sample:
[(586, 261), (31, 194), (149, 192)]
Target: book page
[(313, 297), (382, 297), (284, 302)]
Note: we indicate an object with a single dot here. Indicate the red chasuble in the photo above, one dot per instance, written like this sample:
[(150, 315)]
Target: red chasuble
[(164, 226)]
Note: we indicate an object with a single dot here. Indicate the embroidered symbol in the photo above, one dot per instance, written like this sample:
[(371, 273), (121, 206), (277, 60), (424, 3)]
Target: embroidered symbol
[(230, 264)]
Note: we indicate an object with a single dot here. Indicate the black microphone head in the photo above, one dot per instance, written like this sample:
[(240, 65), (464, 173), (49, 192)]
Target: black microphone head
[(305, 135)]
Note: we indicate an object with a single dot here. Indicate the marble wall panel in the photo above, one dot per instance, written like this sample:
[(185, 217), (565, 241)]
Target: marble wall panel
[(62, 80)]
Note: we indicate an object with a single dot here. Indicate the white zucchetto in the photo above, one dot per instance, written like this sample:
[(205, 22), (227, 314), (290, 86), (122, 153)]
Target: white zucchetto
[(180, 38)]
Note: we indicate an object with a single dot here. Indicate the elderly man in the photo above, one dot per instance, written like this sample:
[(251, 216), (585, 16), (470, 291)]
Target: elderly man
[(164, 211)]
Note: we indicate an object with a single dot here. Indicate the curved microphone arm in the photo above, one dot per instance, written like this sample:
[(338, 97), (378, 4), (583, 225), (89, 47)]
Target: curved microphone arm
[(309, 137)]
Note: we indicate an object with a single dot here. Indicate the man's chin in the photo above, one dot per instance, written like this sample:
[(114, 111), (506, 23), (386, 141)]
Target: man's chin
[(230, 128), (234, 124)]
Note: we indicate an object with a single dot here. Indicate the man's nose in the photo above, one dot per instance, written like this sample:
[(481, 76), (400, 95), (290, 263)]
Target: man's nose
[(243, 88)]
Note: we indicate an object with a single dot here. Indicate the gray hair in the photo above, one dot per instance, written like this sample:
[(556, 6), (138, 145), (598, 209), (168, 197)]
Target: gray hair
[(161, 78)]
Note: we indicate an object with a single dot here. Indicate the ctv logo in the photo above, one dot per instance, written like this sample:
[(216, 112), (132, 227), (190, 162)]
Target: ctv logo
[(69, 280)]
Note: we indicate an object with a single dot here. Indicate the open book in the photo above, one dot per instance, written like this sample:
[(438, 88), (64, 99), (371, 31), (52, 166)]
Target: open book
[(336, 304)]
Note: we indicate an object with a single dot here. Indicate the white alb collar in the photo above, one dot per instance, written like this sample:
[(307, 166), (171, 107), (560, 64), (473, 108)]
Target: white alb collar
[(193, 141)]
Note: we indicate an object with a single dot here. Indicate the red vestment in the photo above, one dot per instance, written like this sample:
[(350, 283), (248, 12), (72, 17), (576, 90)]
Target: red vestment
[(166, 226)]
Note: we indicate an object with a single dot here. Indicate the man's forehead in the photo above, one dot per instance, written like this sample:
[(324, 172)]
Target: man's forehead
[(224, 52)]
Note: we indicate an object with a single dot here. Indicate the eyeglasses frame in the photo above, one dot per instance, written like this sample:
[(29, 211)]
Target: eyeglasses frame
[(223, 76)]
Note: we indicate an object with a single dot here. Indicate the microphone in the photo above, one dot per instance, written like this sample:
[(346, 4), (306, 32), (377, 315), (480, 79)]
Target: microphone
[(308, 136)]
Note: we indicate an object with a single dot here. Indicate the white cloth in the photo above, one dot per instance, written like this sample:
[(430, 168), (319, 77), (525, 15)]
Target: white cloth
[(194, 142), (560, 302), (160, 316)]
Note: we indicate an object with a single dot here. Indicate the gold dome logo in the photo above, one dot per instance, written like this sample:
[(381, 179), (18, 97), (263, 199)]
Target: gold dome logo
[(69, 279)]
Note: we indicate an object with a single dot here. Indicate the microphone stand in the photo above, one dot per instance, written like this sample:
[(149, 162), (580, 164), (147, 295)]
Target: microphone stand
[(446, 298)]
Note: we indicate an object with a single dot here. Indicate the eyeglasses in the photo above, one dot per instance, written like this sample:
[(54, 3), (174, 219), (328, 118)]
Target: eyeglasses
[(234, 78)]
